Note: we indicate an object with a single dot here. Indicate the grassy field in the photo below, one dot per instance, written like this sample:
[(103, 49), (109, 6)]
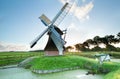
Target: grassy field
[(7, 58), (91, 54)]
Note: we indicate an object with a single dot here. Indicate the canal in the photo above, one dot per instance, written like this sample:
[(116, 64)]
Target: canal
[(20, 73)]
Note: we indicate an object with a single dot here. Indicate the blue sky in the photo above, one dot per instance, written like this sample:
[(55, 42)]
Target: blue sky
[(19, 21)]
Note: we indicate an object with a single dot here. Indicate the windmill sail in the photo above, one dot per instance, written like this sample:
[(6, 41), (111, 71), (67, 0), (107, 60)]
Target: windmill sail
[(36, 40), (61, 15), (58, 18), (45, 20)]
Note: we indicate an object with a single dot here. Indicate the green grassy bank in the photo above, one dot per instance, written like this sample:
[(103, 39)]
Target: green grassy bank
[(113, 75), (51, 63)]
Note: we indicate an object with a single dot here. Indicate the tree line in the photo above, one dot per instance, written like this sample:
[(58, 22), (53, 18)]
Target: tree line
[(107, 41)]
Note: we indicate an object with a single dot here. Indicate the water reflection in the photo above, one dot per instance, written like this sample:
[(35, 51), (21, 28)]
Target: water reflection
[(20, 73), (115, 60)]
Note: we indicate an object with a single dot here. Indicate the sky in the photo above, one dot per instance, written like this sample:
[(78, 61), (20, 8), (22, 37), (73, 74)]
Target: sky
[(19, 22)]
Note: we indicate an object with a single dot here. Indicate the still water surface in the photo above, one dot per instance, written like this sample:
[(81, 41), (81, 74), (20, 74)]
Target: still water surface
[(20, 73)]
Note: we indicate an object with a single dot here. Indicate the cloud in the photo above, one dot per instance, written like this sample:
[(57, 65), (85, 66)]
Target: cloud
[(72, 26), (75, 35), (12, 47), (2, 47), (80, 12)]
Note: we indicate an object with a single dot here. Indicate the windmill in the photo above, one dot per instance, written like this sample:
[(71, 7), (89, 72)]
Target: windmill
[(55, 44)]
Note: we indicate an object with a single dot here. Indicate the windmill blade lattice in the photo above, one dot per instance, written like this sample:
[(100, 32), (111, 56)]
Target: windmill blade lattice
[(63, 14)]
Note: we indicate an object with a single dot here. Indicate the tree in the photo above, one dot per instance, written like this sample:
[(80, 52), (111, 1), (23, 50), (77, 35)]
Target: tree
[(77, 46), (111, 48), (85, 44), (118, 36), (110, 38), (115, 40), (97, 49), (90, 42), (104, 40), (69, 48), (81, 47), (96, 40)]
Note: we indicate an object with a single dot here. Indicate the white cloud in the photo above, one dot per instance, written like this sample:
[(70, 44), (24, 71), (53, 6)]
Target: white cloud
[(75, 35), (80, 12), (72, 27), (12, 47)]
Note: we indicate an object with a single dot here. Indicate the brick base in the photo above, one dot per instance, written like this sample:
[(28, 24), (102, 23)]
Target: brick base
[(51, 53)]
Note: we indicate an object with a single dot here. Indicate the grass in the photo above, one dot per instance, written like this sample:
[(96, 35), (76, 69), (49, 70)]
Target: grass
[(91, 54), (8, 58), (113, 75), (115, 70), (50, 63), (112, 66)]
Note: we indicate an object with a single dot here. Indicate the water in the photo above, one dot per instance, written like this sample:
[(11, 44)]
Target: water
[(115, 60), (20, 73)]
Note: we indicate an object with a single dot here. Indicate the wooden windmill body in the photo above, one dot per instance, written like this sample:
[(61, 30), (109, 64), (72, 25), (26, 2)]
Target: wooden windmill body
[(50, 48)]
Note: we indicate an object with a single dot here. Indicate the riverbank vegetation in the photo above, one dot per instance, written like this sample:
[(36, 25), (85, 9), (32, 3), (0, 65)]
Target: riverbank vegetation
[(113, 75), (61, 62), (57, 62)]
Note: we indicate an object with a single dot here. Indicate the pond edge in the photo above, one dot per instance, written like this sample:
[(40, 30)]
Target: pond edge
[(53, 71)]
